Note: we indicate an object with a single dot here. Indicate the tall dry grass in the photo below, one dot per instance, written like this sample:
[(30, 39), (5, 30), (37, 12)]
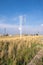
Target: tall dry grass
[(19, 51)]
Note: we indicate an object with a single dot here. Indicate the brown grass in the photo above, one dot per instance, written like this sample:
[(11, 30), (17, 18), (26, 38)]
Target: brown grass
[(19, 50)]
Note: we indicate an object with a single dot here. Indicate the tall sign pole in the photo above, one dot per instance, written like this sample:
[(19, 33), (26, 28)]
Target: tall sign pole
[(20, 27), (22, 20)]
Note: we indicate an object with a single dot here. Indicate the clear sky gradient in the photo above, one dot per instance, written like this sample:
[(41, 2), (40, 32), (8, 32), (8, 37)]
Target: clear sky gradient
[(11, 10)]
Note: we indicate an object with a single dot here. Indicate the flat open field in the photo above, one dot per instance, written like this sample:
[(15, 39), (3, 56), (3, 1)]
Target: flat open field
[(19, 51), (29, 39), (8, 38)]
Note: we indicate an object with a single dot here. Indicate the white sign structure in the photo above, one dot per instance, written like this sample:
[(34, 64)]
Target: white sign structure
[(21, 18), (20, 27)]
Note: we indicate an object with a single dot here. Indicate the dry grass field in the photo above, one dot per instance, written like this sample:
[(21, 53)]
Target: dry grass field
[(16, 51), (28, 38)]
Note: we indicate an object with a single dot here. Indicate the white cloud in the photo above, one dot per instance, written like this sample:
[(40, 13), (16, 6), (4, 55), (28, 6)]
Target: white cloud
[(41, 24), (7, 26), (14, 29)]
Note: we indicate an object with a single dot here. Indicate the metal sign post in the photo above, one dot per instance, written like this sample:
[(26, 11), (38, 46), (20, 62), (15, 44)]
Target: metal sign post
[(22, 20), (20, 27)]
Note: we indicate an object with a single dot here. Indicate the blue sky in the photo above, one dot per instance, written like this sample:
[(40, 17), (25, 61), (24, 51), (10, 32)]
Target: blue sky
[(11, 10)]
